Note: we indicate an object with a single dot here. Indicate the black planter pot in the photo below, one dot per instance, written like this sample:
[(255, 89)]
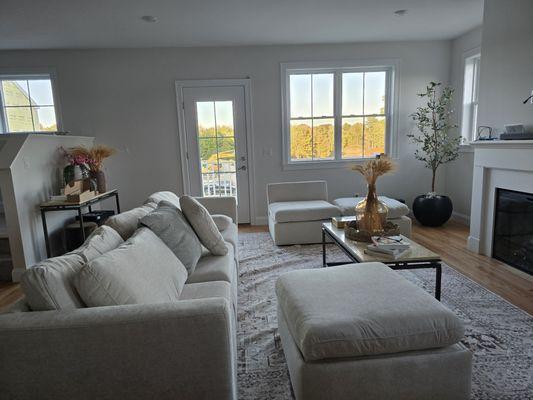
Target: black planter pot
[(432, 210)]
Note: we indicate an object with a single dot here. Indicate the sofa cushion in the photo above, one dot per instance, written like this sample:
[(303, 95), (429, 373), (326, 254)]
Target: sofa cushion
[(222, 221), (215, 268), (126, 223), (157, 197), (203, 225), (396, 209), (170, 225), (360, 310), (295, 211), (48, 285), (142, 270), (206, 290), (100, 241)]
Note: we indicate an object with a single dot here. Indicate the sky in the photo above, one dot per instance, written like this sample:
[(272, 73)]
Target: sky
[(321, 87), (208, 110)]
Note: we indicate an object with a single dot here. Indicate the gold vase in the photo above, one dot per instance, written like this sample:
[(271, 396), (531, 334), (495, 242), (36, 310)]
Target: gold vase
[(370, 213)]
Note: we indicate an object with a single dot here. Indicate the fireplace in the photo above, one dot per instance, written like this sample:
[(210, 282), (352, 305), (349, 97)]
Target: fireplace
[(513, 229)]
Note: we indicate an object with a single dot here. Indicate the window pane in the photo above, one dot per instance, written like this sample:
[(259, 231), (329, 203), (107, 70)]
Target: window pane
[(300, 96), (15, 93), (206, 118), (352, 137), (374, 136), (19, 119), (323, 139), (224, 118), (375, 83), (352, 93), (210, 184), (301, 140), (323, 95), (208, 154), (44, 119), (228, 184), (41, 92), (226, 154)]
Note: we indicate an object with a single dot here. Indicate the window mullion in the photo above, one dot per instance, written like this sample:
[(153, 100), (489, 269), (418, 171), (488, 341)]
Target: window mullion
[(337, 112)]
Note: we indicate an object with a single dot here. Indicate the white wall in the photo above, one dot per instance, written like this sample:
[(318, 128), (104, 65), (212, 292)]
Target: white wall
[(126, 98), (459, 172), (506, 64)]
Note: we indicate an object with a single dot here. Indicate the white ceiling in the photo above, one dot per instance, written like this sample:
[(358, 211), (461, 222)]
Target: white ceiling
[(38, 24)]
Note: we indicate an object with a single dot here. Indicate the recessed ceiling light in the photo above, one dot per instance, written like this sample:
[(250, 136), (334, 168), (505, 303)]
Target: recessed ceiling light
[(400, 13), (149, 18)]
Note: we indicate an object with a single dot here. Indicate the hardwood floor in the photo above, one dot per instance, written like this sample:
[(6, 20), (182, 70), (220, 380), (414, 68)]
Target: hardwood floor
[(448, 241)]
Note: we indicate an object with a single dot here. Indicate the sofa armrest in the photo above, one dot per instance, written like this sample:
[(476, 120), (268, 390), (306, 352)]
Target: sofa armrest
[(184, 350), (226, 205)]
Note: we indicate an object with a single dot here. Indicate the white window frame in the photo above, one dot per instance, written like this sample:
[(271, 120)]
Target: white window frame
[(390, 66), (470, 98), (30, 73)]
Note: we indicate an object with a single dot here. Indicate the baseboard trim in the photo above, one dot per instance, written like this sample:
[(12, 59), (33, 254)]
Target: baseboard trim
[(16, 274), (462, 218), (473, 244), (261, 221)]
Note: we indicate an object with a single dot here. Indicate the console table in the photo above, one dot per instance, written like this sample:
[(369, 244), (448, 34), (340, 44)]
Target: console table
[(60, 205)]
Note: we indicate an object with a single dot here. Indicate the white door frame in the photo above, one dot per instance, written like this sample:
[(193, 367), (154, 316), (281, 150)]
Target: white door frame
[(182, 132)]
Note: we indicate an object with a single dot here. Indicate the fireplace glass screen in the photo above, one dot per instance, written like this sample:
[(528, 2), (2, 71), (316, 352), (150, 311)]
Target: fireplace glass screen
[(513, 229)]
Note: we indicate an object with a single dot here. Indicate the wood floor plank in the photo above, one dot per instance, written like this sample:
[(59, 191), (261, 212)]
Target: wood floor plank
[(449, 241)]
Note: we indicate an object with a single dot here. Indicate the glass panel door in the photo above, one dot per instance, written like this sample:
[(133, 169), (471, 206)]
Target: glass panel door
[(216, 141)]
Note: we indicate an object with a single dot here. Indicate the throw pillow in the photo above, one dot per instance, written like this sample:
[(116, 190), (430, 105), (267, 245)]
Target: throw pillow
[(143, 270), (203, 225), (126, 223), (171, 226)]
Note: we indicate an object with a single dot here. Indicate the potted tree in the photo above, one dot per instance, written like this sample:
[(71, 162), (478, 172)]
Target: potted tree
[(435, 147)]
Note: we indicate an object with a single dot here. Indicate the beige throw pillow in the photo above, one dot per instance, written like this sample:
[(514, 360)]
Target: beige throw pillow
[(143, 270), (203, 225)]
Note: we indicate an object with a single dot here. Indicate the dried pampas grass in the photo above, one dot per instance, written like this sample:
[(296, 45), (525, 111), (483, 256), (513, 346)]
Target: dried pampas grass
[(96, 155), (373, 169)]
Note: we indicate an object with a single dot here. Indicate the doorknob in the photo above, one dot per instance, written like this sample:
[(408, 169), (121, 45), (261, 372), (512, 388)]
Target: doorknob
[(243, 168)]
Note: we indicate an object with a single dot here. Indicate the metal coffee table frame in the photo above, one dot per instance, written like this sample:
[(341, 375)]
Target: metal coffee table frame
[(395, 265)]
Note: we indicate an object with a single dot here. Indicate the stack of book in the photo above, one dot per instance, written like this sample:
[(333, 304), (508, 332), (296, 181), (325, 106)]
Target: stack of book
[(390, 246)]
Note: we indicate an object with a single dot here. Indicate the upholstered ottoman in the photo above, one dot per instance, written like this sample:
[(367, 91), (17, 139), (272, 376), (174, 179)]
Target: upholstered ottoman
[(397, 211), (362, 331)]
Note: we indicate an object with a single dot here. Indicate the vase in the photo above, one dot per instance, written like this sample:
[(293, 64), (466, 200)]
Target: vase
[(371, 213), (99, 177), (432, 210)]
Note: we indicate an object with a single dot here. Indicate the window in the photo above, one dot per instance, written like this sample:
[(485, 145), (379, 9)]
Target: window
[(335, 114), (27, 104), (470, 98)]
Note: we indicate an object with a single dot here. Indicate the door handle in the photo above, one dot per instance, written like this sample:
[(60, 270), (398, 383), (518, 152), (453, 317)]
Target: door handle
[(243, 168)]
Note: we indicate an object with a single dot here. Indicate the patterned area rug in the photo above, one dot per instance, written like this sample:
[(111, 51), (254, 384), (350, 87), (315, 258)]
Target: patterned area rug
[(499, 334)]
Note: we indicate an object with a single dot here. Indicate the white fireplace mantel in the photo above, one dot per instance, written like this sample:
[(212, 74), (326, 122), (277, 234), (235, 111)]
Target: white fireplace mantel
[(505, 164)]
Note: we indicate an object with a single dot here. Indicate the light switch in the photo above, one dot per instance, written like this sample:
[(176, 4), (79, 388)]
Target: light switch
[(267, 152)]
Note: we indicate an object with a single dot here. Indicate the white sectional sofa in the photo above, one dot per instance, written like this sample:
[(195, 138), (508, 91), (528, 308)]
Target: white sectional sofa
[(296, 211), (53, 347)]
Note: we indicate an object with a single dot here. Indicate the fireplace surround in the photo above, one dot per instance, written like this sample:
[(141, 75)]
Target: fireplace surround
[(497, 165)]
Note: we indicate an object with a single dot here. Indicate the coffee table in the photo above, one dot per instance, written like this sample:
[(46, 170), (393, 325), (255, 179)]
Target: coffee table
[(418, 257)]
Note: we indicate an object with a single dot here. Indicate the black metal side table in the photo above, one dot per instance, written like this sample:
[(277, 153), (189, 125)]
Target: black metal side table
[(66, 206)]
